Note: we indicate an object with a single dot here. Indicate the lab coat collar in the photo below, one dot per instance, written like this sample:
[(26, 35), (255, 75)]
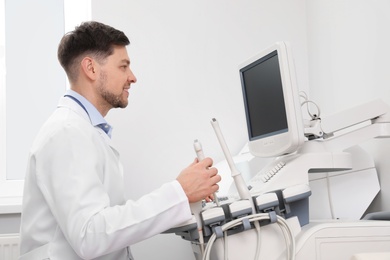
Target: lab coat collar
[(72, 105)]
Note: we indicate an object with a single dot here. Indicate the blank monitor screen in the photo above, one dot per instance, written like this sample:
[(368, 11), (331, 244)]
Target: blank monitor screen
[(263, 95)]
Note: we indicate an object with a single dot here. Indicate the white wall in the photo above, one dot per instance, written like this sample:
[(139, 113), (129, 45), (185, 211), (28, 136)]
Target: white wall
[(349, 55), (186, 56)]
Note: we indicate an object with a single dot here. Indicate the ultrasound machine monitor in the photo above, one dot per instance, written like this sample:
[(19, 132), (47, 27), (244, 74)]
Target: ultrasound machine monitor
[(271, 100)]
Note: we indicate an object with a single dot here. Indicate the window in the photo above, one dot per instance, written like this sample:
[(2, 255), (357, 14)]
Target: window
[(10, 191), (30, 81)]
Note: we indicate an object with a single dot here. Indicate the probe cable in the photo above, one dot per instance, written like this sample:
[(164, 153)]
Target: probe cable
[(226, 246), (286, 231)]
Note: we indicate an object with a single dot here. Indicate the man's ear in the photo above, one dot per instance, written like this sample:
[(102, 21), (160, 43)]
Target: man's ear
[(88, 66)]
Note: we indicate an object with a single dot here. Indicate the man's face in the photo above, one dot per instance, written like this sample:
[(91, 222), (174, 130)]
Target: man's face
[(115, 79)]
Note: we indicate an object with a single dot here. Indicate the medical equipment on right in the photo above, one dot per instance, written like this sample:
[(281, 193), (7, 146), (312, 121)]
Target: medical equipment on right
[(294, 182)]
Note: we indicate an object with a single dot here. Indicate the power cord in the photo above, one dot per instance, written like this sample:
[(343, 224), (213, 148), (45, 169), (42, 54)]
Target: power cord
[(306, 102)]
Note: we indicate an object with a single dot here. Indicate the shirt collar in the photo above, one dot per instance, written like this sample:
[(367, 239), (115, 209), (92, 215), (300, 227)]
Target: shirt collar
[(94, 115)]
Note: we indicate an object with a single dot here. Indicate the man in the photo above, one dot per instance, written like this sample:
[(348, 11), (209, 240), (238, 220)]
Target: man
[(73, 205)]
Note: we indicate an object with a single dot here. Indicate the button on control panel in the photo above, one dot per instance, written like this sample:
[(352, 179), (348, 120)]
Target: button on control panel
[(272, 172)]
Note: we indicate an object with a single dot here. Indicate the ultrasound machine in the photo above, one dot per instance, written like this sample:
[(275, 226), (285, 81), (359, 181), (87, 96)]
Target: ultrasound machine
[(300, 187)]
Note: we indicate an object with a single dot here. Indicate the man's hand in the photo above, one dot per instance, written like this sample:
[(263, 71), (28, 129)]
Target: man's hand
[(199, 180)]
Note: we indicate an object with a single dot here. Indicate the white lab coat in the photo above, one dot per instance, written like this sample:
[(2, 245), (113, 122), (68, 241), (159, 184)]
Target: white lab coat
[(74, 206)]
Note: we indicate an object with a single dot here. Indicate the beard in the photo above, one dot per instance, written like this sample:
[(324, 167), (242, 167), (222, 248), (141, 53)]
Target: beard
[(115, 101)]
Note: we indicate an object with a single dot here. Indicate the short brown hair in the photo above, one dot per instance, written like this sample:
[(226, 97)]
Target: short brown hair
[(89, 38)]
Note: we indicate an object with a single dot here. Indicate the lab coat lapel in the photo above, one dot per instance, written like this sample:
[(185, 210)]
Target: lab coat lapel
[(108, 140)]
